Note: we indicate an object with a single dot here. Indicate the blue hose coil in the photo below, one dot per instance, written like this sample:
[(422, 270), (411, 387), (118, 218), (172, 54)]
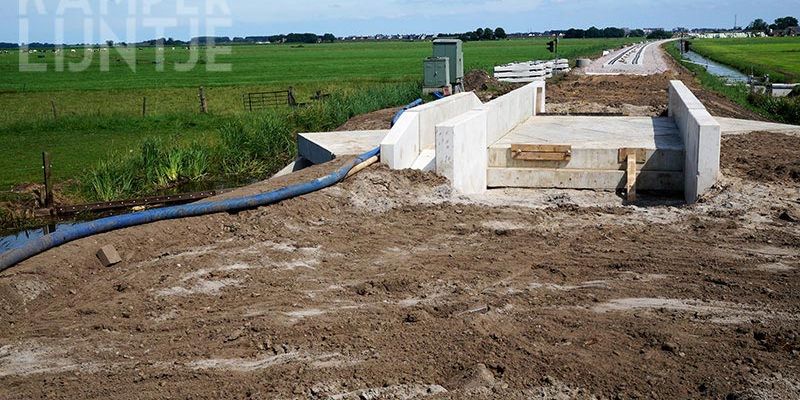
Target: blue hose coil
[(58, 238)]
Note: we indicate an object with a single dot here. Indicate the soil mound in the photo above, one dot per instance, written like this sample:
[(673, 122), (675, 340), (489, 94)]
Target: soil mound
[(763, 157)]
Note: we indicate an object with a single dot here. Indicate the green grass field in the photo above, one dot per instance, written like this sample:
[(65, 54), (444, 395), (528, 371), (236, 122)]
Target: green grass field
[(778, 57), (99, 113)]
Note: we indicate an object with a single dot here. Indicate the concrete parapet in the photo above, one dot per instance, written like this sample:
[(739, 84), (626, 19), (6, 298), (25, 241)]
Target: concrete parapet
[(415, 131), (461, 154), (506, 112), (400, 148), (701, 135), (439, 111)]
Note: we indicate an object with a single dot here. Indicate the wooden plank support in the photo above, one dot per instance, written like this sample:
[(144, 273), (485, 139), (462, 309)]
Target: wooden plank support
[(47, 166), (541, 152), (631, 173)]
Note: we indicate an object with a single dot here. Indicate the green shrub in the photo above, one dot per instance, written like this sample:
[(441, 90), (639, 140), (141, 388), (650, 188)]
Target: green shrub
[(784, 109), (111, 180)]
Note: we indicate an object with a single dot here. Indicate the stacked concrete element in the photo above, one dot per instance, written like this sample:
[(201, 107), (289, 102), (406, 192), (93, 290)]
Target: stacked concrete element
[(701, 135), (414, 135), (531, 71), (462, 142)]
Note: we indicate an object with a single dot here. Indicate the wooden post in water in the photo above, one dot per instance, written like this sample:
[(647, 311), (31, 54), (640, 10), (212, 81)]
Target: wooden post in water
[(53, 106), (144, 107), (48, 183), (203, 102)]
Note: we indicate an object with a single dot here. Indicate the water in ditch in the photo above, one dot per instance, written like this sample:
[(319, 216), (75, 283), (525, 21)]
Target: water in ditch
[(721, 70), (18, 239)]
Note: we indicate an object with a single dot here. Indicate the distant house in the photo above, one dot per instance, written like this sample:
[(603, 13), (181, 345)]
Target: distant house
[(792, 31)]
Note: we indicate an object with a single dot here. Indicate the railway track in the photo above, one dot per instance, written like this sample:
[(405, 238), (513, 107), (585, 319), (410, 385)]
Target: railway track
[(631, 56)]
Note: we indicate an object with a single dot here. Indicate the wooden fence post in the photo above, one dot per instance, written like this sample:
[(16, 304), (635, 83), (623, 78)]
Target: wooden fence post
[(48, 184), (144, 107), (203, 102), (53, 106)]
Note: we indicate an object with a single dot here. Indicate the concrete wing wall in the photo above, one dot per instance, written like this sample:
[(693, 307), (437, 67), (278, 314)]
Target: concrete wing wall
[(701, 135), (461, 154), (415, 131), (400, 147), (506, 112), (434, 113)]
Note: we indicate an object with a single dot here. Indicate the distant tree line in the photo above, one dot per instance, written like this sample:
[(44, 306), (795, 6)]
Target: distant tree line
[(595, 32), (301, 38), (479, 34), (780, 24), (660, 34)]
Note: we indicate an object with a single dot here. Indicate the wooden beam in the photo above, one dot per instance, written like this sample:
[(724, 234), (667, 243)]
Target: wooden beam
[(631, 172), (542, 148), (541, 152)]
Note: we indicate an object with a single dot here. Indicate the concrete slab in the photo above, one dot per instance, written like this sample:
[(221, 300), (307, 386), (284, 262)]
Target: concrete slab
[(426, 161), (552, 178), (733, 126), (596, 132), (321, 147), (594, 161)]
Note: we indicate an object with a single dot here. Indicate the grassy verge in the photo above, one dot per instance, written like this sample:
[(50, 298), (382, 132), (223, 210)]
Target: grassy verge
[(776, 57), (777, 109), (244, 148)]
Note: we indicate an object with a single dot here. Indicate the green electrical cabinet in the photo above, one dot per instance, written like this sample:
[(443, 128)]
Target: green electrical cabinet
[(436, 72), (453, 50)]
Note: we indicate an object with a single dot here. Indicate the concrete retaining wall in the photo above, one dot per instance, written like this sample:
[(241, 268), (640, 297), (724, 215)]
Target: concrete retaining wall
[(415, 131), (461, 154), (506, 112), (701, 135)]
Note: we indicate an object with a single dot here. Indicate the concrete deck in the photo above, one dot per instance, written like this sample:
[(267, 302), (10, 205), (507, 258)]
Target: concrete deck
[(595, 142), (596, 132), (733, 126), (321, 147), (594, 162)]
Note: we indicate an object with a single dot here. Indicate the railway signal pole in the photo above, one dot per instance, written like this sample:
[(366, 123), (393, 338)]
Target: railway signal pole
[(552, 46)]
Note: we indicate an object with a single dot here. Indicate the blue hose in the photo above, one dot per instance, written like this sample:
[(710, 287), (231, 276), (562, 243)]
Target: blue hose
[(399, 114), (58, 238)]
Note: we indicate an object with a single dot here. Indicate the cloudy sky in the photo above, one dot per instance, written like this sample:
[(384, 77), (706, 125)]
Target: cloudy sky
[(133, 20)]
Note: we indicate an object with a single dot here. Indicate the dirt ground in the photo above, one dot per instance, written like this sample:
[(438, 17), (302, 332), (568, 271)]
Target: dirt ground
[(389, 286), (764, 156), (633, 95), (377, 120)]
